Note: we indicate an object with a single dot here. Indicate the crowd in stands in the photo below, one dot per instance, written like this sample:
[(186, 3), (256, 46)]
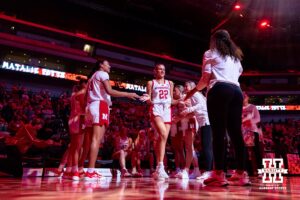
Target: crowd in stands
[(288, 132), (19, 106)]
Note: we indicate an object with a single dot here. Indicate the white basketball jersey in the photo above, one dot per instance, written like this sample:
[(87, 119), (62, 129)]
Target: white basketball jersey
[(122, 143), (161, 93), (96, 90)]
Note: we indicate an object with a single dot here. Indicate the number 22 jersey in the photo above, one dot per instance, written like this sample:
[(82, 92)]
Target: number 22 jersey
[(161, 100)]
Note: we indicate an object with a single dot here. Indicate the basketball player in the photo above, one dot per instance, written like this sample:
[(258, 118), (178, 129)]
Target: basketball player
[(75, 122), (122, 150), (141, 152), (160, 96), (187, 125), (250, 119), (199, 108), (176, 134), (99, 94)]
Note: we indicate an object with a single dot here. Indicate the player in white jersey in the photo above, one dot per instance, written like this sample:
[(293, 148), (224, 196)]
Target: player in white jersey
[(123, 150), (252, 138), (250, 116), (176, 134), (141, 152), (98, 101), (161, 100), (199, 108), (160, 96), (186, 125)]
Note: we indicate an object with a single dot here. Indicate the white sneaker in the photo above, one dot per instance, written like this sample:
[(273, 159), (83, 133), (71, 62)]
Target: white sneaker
[(183, 175), (195, 174), (239, 179), (215, 178), (160, 174), (204, 175)]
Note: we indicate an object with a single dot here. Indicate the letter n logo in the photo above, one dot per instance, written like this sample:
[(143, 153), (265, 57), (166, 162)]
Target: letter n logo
[(104, 116)]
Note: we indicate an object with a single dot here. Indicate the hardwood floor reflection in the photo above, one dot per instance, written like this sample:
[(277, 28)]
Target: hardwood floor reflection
[(140, 189)]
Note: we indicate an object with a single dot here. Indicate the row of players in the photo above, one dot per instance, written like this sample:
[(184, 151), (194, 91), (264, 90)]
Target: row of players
[(220, 72)]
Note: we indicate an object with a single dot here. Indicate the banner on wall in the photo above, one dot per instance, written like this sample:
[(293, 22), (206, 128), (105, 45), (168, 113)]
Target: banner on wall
[(278, 107), (63, 75), (128, 86), (40, 71)]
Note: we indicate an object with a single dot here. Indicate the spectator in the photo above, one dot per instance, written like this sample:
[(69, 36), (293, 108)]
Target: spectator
[(280, 147), (25, 142), (141, 153), (123, 150)]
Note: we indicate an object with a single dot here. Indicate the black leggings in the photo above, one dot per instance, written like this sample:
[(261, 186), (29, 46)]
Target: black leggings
[(206, 137), (224, 105)]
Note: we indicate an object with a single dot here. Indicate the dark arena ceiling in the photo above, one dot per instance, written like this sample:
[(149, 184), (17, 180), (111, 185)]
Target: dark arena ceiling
[(178, 28)]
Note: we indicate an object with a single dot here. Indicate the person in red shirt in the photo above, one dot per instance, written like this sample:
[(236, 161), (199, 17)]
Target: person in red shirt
[(23, 142)]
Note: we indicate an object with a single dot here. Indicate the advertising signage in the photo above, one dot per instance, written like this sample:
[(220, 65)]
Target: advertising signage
[(40, 71), (278, 107), (13, 66)]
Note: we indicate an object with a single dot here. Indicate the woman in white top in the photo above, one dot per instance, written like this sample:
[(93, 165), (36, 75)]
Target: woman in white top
[(176, 134), (98, 98), (199, 108), (140, 153), (250, 116), (253, 138), (123, 150), (160, 96), (187, 125), (221, 69)]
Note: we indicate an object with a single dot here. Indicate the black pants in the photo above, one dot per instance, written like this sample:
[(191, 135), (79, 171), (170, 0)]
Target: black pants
[(206, 137), (259, 150), (13, 162), (281, 152), (224, 105)]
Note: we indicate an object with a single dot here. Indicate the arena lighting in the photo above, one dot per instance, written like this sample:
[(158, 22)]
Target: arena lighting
[(13, 66), (264, 23), (278, 107), (87, 48), (237, 7)]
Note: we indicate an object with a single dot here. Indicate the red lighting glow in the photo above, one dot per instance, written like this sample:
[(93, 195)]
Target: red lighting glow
[(264, 24), (237, 7)]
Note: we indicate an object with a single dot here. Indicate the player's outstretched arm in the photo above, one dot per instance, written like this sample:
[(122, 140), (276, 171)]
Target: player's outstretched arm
[(116, 93)]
